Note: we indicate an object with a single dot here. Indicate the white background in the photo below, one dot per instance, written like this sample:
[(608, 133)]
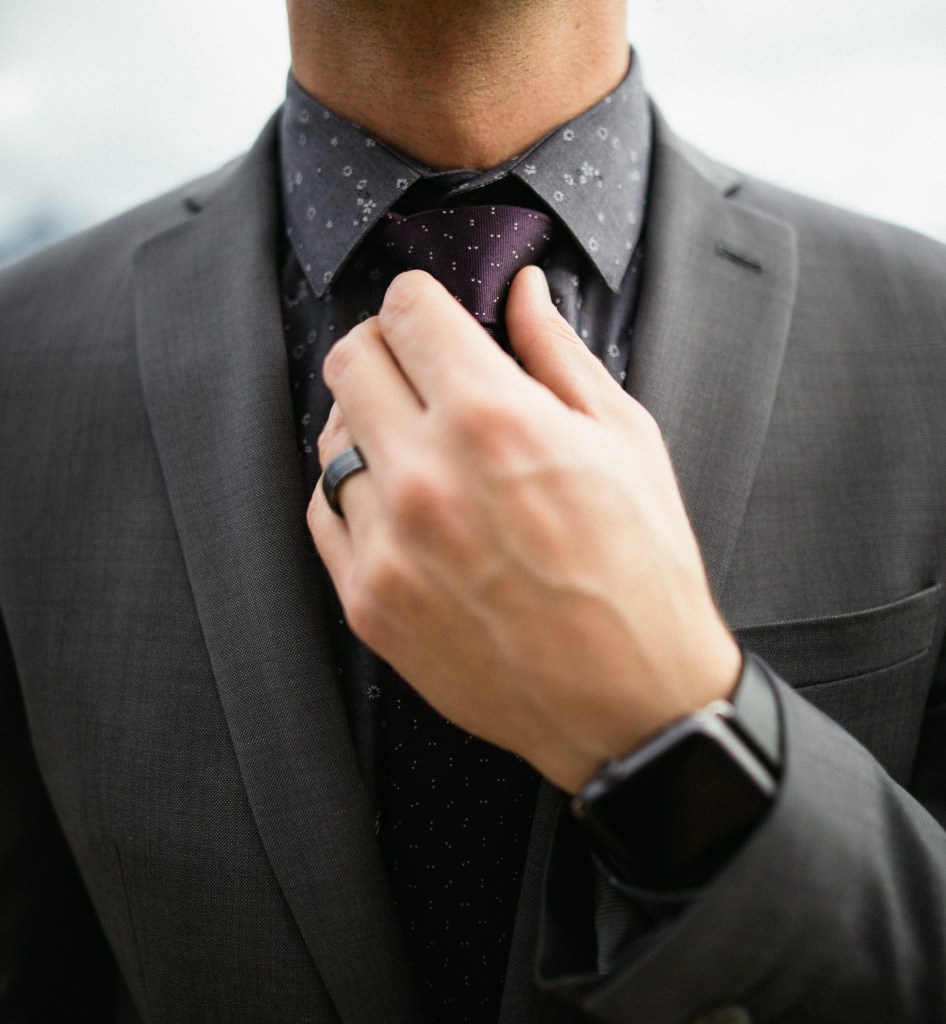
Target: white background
[(106, 102)]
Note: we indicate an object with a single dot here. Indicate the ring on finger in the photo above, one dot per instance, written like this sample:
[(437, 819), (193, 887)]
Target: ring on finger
[(348, 461)]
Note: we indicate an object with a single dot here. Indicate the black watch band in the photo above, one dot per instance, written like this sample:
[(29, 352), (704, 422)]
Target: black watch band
[(672, 811)]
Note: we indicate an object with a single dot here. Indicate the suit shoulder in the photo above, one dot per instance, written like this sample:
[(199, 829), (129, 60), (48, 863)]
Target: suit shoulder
[(830, 235), (101, 255), (863, 286), (833, 243)]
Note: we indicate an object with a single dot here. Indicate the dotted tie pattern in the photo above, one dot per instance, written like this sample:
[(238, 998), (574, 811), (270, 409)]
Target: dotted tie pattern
[(474, 251), (456, 812)]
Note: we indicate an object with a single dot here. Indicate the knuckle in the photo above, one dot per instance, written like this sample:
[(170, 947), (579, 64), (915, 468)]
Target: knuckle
[(401, 296), (383, 577), (642, 428), (430, 516), (337, 360), (380, 584), (645, 422), (490, 425), (361, 615), (417, 497)]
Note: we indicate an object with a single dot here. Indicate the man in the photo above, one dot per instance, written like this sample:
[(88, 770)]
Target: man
[(218, 805)]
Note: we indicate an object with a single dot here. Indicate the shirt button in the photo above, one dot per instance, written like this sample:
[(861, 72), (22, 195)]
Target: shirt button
[(725, 1015)]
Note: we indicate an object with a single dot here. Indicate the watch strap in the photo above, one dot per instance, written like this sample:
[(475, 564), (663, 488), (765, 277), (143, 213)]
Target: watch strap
[(755, 712)]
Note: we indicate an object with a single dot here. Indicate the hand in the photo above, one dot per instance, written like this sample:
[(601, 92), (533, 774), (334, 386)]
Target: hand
[(518, 548)]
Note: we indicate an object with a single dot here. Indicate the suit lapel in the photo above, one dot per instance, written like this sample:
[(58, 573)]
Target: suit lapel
[(711, 328), (710, 332), (215, 379)]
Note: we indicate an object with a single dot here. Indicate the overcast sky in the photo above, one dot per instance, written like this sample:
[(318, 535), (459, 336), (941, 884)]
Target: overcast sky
[(105, 102)]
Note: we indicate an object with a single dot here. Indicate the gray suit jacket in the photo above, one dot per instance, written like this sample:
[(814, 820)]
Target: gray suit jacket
[(170, 729)]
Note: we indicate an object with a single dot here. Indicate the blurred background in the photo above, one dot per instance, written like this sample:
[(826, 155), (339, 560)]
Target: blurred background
[(104, 103)]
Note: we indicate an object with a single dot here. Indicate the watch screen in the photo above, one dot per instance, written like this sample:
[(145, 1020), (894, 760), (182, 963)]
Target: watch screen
[(684, 812)]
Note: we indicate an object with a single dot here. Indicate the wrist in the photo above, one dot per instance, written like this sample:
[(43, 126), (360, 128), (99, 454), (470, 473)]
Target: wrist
[(671, 813), (637, 716)]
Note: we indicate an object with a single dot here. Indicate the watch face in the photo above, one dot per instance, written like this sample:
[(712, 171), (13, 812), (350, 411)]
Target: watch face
[(682, 810)]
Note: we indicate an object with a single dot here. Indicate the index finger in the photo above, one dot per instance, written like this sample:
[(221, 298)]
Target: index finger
[(438, 345), (376, 401)]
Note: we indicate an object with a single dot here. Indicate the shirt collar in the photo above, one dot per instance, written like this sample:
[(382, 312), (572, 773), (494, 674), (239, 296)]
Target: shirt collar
[(591, 172)]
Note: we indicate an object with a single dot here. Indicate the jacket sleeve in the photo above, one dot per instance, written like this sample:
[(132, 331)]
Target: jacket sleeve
[(834, 911), (54, 963)]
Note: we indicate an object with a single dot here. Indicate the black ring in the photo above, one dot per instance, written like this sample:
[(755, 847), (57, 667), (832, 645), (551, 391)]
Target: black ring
[(348, 461)]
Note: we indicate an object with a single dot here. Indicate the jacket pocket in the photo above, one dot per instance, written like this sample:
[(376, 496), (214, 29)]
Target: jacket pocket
[(869, 670)]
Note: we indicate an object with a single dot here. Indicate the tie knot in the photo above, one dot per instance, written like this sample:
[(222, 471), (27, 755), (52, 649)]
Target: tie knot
[(474, 251)]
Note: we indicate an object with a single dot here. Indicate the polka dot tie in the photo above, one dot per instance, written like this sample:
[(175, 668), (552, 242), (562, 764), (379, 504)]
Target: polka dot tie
[(456, 812), (474, 251)]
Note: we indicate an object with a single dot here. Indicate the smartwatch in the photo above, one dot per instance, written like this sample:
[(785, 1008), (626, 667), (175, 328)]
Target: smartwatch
[(670, 813)]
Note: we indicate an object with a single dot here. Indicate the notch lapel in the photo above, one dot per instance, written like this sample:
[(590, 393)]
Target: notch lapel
[(714, 314), (215, 379)]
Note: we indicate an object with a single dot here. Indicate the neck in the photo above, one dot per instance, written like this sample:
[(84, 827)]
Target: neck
[(458, 83)]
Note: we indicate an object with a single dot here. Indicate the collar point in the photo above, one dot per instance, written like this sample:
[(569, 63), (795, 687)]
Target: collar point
[(613, 281), (613, 276)]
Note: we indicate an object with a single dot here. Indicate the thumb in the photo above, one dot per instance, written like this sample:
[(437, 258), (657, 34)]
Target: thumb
[(548, 348)]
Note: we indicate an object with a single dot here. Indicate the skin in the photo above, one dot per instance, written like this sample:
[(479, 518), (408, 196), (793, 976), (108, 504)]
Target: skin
[(442, 79), (518, 548)]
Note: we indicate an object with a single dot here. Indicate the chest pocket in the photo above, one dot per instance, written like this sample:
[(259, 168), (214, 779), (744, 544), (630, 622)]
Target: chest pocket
[(869, 670)]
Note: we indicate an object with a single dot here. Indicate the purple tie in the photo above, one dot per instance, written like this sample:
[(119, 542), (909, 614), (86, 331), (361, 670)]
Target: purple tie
[(456, 812), (474, 251)]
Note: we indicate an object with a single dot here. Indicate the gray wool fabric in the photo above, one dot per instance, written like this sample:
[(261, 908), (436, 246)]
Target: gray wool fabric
[(184, 832)]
